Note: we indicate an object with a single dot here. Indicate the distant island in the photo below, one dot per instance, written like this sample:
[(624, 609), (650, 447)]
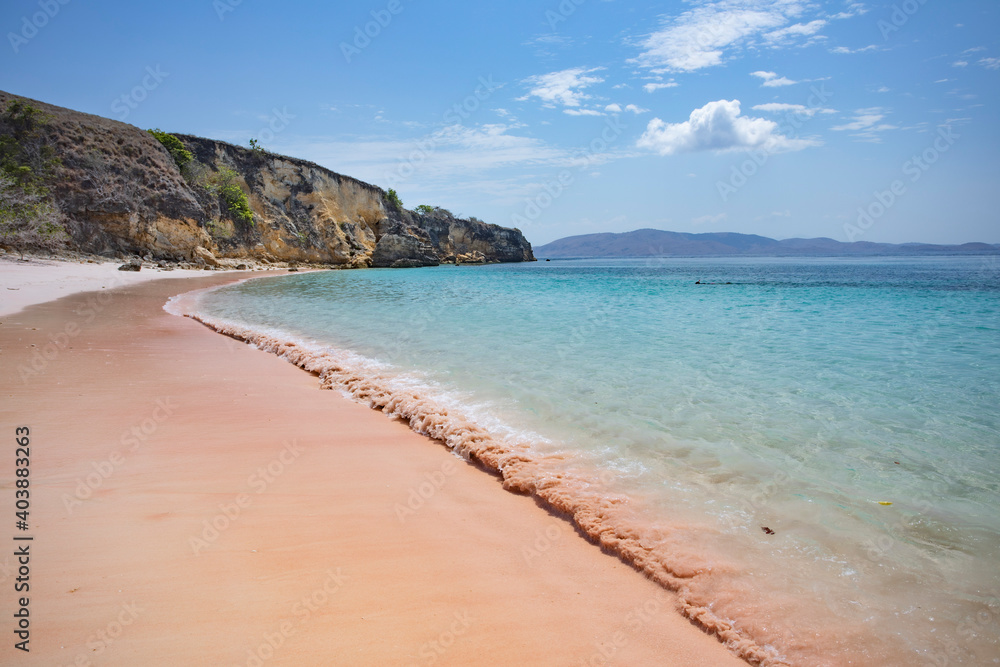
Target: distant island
[(659, 243)]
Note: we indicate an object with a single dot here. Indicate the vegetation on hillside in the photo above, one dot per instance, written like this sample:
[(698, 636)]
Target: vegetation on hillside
[(29, 220), (181, 155), (393, 198), (225, 183)]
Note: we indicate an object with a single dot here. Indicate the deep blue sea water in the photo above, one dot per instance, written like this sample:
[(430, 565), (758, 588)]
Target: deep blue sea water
[(800, 395)]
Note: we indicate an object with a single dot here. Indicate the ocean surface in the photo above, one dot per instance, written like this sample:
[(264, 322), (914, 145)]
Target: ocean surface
[(807, 450)]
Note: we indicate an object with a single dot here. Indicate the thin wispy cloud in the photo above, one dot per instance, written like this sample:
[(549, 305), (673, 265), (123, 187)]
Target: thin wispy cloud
[(632, 108), (784, 36), (709, 219), (990, 63), (855, 9), (653, 87), (564, 87), (439, 156), (797, 109), (772, 80), (867, 124), (717, 126), (845, 50), (713, 31)]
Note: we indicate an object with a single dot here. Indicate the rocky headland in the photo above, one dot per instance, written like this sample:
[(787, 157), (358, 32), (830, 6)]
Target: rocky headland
[(120, 193)]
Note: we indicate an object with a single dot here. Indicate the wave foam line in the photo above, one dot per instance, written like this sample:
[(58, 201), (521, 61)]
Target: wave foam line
[(601, 517)]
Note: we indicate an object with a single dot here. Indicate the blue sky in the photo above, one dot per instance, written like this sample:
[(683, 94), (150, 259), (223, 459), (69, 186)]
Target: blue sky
[(873, 121)]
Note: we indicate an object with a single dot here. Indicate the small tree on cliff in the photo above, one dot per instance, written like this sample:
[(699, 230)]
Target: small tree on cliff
[(393, 199)]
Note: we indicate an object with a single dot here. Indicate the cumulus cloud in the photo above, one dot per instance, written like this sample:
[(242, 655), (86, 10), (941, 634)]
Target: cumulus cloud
[(702, 36), (582, 112), (564, 87), (717, 126), (772, 80)]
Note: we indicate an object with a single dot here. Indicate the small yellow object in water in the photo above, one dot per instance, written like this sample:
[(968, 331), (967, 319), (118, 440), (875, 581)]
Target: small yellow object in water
[(884, 502)]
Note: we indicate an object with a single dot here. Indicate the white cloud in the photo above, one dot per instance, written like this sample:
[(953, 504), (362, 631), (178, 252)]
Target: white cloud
[(990, 63), (960, 63), (701, 36), (867, 124), (582, 112), (855, 9), (709, 218), (772, 80), (797, 109), (436, 158), (782, 35), (616, 108), (717, 126), (564, 87), (844, 49), (653, 87)]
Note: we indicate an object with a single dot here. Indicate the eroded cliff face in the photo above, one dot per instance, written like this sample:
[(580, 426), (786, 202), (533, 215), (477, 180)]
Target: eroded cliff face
[(122, 193)]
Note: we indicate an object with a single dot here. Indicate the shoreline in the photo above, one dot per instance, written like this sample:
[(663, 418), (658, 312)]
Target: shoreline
[(594, 515), (187, 500), (23, 283)]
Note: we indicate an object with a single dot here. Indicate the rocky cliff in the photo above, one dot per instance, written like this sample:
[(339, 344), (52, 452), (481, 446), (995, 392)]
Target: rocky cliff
[(123, 194)]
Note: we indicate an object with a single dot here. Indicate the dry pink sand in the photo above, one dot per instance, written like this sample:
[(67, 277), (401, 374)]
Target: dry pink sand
[(197, 501)]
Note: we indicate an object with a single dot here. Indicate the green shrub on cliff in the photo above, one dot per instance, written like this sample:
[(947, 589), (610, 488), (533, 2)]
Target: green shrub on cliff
[(394, 199), (174, 146), (225, 183), (424, 209)]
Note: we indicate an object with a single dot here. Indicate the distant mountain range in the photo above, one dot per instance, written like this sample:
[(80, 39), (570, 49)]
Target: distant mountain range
[(659, 243)]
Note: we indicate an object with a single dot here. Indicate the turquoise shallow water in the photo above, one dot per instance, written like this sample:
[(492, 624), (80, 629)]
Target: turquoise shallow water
[(796, 397)]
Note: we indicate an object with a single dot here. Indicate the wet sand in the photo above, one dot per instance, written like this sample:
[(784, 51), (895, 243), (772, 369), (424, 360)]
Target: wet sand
[(198, 501)]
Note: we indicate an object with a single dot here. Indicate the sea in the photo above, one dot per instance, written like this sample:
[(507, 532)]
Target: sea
[(806, 450)]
